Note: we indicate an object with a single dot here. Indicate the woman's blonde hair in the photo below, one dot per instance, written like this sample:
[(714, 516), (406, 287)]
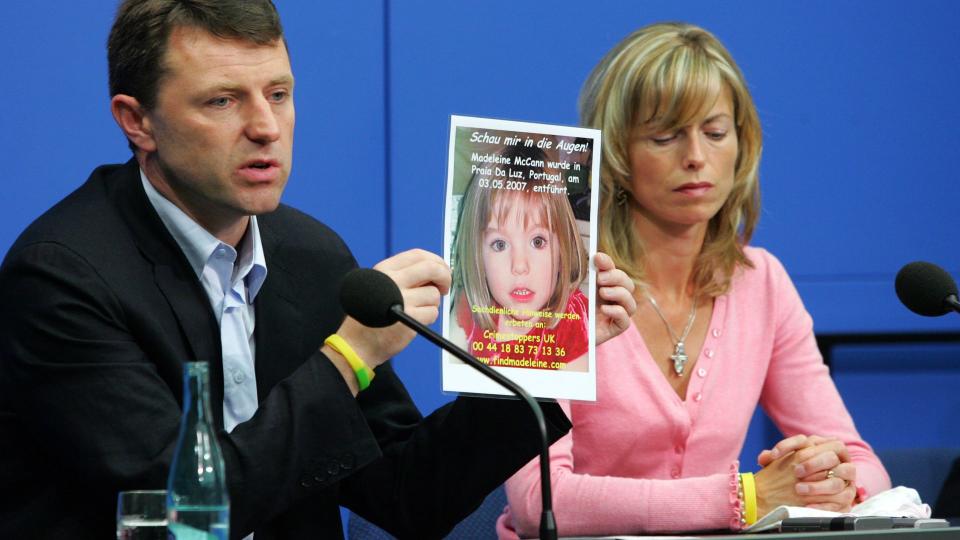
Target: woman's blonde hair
[(658, 79), (530, 205)]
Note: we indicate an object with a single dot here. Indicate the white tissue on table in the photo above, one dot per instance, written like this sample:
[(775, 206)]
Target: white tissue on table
[(897, 502)]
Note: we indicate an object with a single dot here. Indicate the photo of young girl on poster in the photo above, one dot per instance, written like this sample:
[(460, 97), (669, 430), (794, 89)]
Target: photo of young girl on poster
[(520, 227), (518, 270)]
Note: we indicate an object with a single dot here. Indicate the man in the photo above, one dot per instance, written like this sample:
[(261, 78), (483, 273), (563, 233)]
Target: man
[(159, 261)]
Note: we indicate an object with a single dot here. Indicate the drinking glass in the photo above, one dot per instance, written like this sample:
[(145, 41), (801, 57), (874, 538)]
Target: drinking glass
[(142, 515)]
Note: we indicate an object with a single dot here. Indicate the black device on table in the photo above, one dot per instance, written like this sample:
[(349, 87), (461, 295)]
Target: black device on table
[(857, 523), (842, 523)]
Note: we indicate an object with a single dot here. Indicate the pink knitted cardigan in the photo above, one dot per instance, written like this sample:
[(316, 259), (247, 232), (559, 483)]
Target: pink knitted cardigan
[(640, 459)]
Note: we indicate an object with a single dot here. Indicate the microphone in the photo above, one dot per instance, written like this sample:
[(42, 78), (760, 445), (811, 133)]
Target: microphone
[(373, 299), (369, 296), (926, 289)]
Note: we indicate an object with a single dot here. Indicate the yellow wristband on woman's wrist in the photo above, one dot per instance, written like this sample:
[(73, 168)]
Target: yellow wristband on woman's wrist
[(360, 368), (749, 498)]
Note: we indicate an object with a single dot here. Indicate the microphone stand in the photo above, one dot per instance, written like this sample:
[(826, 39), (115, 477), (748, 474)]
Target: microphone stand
[(548, 525)]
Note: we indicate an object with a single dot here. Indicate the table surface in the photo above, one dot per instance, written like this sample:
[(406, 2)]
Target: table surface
[(948, 533)]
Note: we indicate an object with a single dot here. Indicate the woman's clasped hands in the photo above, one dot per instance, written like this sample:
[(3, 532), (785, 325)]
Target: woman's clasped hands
[(806, 470)]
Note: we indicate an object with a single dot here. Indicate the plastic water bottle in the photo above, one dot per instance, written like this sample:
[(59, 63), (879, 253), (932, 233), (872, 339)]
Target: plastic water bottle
[(198, 505)]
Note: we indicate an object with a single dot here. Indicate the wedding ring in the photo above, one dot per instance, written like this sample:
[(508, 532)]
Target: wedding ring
[(831, 473)]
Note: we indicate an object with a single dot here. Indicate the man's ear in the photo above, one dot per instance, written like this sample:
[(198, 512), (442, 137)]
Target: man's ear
[(134, 122)]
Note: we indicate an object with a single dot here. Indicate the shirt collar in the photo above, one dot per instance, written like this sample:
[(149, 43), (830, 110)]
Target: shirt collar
[(199, 245), (252, 263)]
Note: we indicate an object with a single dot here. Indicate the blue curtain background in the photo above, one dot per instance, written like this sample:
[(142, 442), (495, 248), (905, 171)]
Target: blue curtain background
[(858, 103)]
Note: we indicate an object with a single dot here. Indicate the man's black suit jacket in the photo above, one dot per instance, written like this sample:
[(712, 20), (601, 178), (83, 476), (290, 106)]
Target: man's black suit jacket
[(98, 311)]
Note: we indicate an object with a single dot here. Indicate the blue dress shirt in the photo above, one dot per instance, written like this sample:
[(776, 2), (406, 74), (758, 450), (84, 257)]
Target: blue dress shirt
[(231, 280)]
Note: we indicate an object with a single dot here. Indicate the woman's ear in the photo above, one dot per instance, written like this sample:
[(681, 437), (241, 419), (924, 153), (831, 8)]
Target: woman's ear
[(134, 121)]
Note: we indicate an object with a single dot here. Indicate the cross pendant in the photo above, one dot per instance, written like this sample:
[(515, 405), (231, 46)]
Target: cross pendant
[(679, 358)]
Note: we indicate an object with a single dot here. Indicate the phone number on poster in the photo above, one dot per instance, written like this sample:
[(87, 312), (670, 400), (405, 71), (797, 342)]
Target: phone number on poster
[(517, 348)]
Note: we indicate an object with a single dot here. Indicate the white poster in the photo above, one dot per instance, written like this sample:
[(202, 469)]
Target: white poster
[(520, 230)]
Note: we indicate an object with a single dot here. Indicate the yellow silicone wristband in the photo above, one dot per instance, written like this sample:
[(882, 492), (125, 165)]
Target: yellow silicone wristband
[(749, 497), (360, 368)]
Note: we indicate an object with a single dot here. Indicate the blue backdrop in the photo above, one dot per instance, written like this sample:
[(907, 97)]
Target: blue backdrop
[(857, 100)]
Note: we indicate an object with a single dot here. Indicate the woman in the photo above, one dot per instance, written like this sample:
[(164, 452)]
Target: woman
[(719, 326)]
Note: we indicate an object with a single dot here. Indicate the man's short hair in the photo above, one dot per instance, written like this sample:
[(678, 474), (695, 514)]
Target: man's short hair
[(138, 40)]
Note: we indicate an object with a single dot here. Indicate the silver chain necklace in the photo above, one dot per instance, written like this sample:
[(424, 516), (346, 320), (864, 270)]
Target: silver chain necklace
[(679, 355)]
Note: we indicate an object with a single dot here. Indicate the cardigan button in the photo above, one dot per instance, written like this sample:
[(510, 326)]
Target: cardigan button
[(698, 397)]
